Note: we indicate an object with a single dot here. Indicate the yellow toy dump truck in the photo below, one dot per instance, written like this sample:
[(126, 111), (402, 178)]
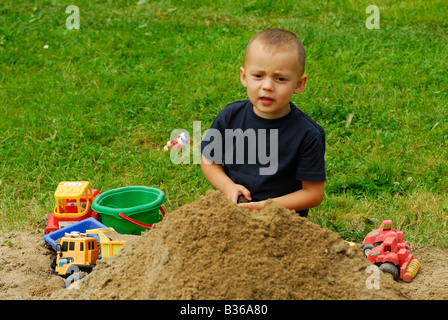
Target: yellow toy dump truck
[(75, 252)]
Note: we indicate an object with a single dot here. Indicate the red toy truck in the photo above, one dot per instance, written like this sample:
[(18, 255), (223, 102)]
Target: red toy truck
[(394, 257), (376, 237), (73, 203)]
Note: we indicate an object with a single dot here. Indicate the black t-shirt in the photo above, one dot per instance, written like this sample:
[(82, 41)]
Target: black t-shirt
[(270, 157)]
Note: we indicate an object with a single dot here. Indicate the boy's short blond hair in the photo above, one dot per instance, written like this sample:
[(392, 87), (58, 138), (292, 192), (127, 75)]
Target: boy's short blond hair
[(280, 39)]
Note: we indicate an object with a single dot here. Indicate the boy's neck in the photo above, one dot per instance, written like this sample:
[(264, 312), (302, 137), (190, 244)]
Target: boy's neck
[(269, 116)]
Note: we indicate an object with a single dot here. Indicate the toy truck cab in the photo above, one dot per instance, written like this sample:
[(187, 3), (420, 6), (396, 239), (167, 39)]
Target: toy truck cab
[(75, 253), (73, 203), (376, 237)]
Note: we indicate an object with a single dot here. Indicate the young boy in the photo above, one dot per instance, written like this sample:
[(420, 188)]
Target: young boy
[(293, 174)]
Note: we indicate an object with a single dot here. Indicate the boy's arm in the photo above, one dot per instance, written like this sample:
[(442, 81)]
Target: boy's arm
[(310, 196), (215, 174)]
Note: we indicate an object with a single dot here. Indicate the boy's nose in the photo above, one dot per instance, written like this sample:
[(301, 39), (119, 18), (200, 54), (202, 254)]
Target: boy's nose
[(268, 84)]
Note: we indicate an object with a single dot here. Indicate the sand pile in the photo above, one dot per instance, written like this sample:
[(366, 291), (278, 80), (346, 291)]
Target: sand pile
[(213, 249)]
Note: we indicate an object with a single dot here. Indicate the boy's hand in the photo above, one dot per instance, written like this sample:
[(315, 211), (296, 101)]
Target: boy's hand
[(232, 191), (215, 174)]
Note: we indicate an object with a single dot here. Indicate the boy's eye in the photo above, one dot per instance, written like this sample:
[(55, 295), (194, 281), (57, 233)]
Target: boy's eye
[(281, 79)]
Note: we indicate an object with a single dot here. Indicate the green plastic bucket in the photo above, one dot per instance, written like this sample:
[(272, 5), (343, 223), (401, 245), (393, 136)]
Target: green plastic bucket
[(130, 210)]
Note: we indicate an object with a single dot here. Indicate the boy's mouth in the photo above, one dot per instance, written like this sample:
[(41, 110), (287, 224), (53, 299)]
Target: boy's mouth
[(266, 100)]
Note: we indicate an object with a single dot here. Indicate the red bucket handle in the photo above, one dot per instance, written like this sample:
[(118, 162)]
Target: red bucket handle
[(144, 225)]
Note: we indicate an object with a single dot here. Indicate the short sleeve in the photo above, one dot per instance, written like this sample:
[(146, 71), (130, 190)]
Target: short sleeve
[(311, 159)]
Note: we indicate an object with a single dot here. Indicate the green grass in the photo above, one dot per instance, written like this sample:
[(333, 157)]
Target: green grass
[(100, 102)]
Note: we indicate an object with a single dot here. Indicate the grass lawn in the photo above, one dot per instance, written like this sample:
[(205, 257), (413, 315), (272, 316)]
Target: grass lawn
[(100, 102)]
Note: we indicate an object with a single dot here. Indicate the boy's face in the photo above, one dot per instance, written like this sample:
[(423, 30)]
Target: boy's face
[(271, 78)]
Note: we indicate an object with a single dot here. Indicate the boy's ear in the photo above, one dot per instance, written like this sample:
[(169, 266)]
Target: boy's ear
[(301, 84), (243, 76)]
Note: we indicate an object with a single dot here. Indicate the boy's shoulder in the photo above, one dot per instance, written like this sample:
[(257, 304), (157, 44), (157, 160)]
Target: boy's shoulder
[(310, 122)]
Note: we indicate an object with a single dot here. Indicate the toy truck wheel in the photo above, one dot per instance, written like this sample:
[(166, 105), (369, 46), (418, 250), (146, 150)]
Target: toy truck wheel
[(72, 279), (391, 269), (366, 249), (53, 263)]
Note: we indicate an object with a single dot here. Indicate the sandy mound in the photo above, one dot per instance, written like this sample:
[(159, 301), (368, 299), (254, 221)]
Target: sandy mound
[(24, 267), (213, 249)]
